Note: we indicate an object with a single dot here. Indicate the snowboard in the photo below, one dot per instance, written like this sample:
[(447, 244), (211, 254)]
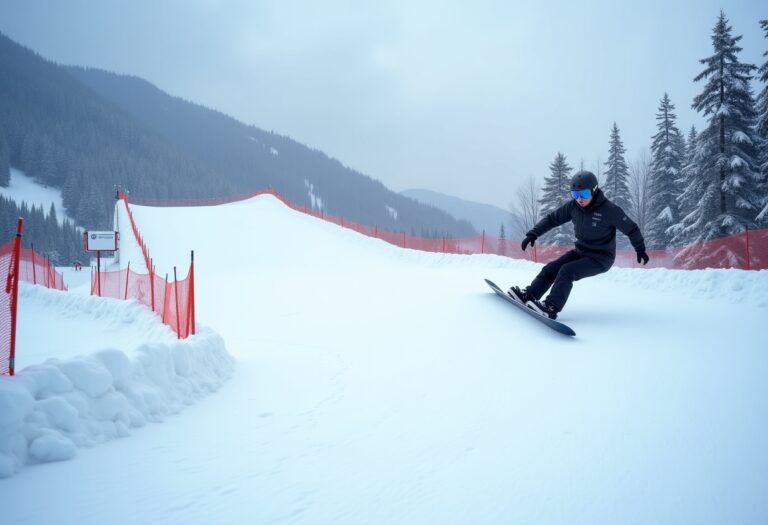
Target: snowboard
[(552, 323)]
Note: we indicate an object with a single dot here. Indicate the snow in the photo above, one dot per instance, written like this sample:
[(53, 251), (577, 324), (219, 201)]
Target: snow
[(666, 215), (84, 391), (316, 200), (737, 162), (374, 384), (740, 137), (24, 189), (723, 111), (392, 211), (763, 214)]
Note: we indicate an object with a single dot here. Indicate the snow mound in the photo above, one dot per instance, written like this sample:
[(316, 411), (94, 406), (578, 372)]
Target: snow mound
[(48, 410)]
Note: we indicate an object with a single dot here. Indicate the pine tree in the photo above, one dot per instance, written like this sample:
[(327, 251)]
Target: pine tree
[(88, 209), (762, 132), (554, 192), (686, 186), (616, 185), (502, 241), (666, 166), (726, 176)]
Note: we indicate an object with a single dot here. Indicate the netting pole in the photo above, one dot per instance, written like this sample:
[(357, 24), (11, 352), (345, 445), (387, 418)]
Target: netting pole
[(12, 287), (176, 294), (34, 273), (482, 243), (98, 271), (746, 232), (403, 239), (165, 299), (152, 282), (127, 273), (191, 298)]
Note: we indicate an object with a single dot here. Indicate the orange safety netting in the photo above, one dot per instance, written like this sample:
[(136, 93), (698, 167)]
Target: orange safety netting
[(36, 269), (28, 266), (6, 314), (747, 250), (173, 301)]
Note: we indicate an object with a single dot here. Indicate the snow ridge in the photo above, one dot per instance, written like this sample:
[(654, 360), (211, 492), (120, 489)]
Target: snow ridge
[(50, 409)]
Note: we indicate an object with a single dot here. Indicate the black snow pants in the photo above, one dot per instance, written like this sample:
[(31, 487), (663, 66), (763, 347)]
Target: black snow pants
[(560, 275)]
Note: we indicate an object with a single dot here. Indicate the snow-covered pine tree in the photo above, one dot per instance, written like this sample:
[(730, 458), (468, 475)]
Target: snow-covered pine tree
[(762, 132), (554, 194), (668, 151), (726, 165), (502, 249), (616, 185), (686, 187)]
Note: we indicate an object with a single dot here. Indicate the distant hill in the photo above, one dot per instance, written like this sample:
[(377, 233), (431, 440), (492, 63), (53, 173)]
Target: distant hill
[(86, 131), (484, 217)]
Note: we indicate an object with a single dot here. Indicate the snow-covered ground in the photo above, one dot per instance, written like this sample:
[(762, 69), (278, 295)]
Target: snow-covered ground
[(373, 384), (24, 189)]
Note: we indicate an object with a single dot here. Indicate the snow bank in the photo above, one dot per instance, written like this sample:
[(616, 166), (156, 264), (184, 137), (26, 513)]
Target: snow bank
[(746, 287), (50, 409)]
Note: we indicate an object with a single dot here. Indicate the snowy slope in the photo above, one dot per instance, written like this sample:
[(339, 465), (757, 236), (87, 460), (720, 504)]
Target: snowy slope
[(381, 385), (24, 189)]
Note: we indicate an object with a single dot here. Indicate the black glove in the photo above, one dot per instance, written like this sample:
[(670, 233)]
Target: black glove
[(642, 256), (529, 239)]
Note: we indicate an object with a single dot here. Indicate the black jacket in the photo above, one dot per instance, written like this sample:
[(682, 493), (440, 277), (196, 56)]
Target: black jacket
[(595, 226)]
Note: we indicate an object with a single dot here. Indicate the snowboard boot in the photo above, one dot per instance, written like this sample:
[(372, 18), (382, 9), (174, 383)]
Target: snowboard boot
[(545, 308), (521, 295)]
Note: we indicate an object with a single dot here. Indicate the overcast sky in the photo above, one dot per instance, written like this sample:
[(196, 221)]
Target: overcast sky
[(466, 98)]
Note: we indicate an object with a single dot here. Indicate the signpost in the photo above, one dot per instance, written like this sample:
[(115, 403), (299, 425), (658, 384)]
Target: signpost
[(100, 241)]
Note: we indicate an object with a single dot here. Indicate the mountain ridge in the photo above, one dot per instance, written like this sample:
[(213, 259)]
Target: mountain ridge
[(484, 217), (86, 131)]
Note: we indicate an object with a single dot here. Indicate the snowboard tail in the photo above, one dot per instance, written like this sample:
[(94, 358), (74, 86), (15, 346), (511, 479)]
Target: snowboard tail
[(552, 323)]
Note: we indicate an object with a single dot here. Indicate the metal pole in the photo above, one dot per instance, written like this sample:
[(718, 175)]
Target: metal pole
[(98, 270), (176, 293), (191, 314), (127, 273), (749, 265), (152, 282), (12, 287), (165, 298), (34, 273)]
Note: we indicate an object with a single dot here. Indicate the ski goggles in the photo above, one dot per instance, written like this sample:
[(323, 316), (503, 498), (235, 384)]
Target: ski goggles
[(581, 194)]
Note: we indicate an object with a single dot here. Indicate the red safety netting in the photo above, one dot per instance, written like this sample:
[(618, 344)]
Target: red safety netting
[(36, 269), (747, 250), (6, 314), (172, 300), (19, 264)]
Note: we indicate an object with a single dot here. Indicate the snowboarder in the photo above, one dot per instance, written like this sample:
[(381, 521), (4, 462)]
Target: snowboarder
[(595, 220)]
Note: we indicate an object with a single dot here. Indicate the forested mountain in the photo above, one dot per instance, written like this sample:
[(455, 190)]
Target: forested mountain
[(484, 217), (86, 131), (61, 242)]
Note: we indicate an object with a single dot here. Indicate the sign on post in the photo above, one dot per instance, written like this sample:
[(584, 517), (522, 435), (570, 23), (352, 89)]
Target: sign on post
[(101, 241)]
